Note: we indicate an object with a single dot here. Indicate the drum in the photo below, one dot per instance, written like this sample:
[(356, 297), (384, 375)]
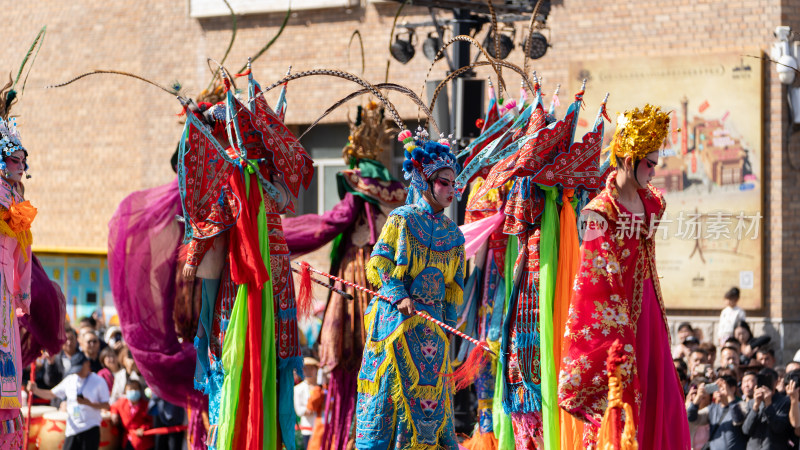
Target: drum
[(37, 420), (109, 434), (52, 432)]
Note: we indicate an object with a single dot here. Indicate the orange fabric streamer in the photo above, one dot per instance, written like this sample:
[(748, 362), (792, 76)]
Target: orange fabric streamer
[(316, 400), (569, 253), (481, 441)]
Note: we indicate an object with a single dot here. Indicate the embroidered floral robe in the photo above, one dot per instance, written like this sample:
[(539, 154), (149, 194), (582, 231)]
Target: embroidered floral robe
[(404, 401), (617, 297), (15, 287)]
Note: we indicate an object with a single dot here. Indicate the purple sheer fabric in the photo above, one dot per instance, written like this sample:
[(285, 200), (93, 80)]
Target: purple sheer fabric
[(309, 232), (143, 241), (43, 329)]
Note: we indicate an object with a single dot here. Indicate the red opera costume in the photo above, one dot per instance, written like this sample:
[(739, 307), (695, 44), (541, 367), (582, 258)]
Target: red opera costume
[(617, 296)]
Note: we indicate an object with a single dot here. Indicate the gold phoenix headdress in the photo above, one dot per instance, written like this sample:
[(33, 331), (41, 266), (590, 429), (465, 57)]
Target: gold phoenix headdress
[(639, 132)]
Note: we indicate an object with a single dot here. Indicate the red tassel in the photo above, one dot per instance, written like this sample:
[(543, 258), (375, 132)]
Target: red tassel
[(467, 372), (305, 298), (243, 74)]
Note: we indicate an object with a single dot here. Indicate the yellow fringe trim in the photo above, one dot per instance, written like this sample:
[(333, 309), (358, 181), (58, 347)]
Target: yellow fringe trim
[(440, 391), (9, 403), (25, 238), (419, 258)]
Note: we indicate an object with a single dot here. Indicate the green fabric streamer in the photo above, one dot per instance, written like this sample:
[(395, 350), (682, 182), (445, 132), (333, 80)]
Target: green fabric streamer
[(336, 250), (503, 428), (233, 362), (269, 361), (548, 263)]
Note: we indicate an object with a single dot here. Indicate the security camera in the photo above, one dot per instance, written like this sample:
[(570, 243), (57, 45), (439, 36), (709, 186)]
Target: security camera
[(787, 69), (783, 33)]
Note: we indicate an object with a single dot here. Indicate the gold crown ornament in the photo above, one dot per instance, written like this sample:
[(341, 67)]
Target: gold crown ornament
[(639, 132)]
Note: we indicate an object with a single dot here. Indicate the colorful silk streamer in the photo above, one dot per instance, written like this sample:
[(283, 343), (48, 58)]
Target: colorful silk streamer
[(233, 350), (503, 428), (268, 350), (548, 262), (568, 260)]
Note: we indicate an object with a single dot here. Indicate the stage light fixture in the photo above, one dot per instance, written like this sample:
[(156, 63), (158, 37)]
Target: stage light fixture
[(403, 49), (538, 45), (506, 43), (431, 46)]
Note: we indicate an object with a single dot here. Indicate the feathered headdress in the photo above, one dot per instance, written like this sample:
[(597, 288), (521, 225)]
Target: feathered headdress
[(368, 134), (424, 158), (638, 133)]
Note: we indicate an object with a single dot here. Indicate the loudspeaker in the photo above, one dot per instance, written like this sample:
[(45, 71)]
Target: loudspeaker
[(441, 110), (469, 106)]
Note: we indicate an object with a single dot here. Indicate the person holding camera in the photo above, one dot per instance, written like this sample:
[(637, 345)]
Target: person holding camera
[(724, 415), (793, 393), (767, 422), (86, 394), (699, 429)]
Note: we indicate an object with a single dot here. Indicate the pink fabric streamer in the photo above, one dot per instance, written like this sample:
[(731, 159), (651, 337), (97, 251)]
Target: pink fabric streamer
[(143, 242), (476, 233)]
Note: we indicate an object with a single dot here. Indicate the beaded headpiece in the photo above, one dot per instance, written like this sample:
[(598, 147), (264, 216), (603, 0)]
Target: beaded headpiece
[(9, 137), (368, 134), (9, 141), (425, 157), (638, 133)]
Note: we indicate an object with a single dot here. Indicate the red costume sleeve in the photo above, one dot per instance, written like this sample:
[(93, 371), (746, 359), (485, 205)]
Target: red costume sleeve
[(197, 249)]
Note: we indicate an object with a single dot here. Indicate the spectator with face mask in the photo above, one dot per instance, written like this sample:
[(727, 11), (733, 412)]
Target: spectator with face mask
[(130, 411)]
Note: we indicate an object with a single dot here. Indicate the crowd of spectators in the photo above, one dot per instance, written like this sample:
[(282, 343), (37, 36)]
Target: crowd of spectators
[(736, 395), (94, 375)]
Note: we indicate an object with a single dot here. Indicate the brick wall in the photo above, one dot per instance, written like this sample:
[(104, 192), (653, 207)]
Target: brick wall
[(103, 137)]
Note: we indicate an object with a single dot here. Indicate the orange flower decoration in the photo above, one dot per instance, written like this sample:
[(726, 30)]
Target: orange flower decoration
[(19, 216)]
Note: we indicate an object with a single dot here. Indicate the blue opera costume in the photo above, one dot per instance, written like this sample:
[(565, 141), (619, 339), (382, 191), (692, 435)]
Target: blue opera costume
[(404, 398)]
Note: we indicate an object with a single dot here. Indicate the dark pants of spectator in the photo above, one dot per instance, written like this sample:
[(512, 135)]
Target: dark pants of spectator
[(172, 441), (306, 438), (88, 440)]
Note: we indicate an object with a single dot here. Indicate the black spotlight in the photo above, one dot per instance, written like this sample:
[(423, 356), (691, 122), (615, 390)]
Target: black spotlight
[(538, 45), (505, 47), (431, 46), (403, 50)]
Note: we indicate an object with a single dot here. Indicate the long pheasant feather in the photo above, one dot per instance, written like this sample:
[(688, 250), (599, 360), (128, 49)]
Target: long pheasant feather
[(37, 45)]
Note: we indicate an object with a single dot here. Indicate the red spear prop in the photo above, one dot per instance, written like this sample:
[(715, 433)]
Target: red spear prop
[(30, 402), (466, 372)]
